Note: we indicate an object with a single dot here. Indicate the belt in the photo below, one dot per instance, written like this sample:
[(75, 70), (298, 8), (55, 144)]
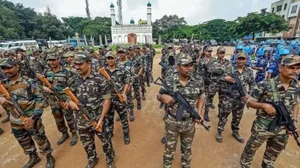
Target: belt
[(182, 119), (264, 121)]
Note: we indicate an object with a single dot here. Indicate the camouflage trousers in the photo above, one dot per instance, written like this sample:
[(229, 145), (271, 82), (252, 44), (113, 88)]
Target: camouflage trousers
[(129, 98), (221, 101), (276, 142), (60, 115), (210, 92), (186, 131), (136, 88), (142, 83), (121, 109), (26, 138), (234, 106), (87, 137)]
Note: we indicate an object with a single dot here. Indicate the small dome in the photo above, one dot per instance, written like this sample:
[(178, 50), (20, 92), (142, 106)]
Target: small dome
[(149, 4), (131, 21), (112, 5)]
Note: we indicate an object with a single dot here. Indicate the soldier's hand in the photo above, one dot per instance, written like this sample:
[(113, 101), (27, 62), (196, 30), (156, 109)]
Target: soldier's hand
[(229, 79), (99, 125), (73, 105), (4, 101), (136, 76), (28, 123), (167, 99), (201, 119), (66, 106), (46, 89), (269, 109), (38, 75), (124, 96)]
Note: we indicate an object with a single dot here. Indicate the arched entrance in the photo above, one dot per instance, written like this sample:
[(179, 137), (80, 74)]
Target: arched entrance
[(132, 38)]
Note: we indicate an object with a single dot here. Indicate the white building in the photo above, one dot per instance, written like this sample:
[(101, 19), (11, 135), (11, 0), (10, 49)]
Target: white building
[(281, 8), (131, 33)]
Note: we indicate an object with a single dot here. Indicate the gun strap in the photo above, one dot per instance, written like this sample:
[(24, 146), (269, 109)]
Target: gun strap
[(274, 91)]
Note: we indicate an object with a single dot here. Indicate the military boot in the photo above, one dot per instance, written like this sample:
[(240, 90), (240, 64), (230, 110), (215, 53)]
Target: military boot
[(64, 137), (219, 136), (139, 105), (74, 139), (118, 118), (33, 160), (206, 116), (143, 96), (161, 105), (1, 131), (237, 136), (212, 106), (50, 161), (131, 115), (93, 163), (126, 138), (6, 119), (111, 165), (163, 140)]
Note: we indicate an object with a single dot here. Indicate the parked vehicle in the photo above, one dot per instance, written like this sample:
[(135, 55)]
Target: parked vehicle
[(24, 44)]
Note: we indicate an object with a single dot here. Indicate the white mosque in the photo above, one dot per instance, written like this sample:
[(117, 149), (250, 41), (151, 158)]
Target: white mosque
[(131, 33)]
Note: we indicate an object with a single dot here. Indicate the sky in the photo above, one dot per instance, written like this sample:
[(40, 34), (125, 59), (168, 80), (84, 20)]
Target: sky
[(194, 11)]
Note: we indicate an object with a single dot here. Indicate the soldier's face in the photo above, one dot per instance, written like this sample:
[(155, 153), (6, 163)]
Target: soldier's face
[(208, 53), (185, 70), (82, 68), (69, 59), (289, 72), (122, 55), (111, 61), (221, 55), (241, 62), (53, 63), (10, 71)]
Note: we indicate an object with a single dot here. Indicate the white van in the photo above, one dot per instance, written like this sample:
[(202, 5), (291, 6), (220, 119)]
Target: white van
[(25, 45), (54, 43), (5, 46)]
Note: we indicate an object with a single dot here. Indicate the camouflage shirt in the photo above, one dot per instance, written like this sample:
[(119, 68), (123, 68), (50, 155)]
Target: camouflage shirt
[(217, 67), (192, 91), (28, 95), (92, 92), (137, 63), (262, 92), (120, 77), (202, 68)]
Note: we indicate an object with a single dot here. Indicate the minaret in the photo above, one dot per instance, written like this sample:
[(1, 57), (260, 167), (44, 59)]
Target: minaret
[(113, 14), (149, 14)]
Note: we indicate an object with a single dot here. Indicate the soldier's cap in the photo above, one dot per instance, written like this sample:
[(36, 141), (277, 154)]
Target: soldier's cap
[(69, 54), (121, 49), (137, 47), (169, 46), (130, 48), (242, 55), (52, 56), (172, 54), (9, 62), (290, 60), (184, 60), (208, 48), (101, 47), (221, 49), (81, 58), (108, 49), (110, 54)]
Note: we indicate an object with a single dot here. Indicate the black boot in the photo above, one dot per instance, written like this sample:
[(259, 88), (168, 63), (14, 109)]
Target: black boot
[(6, 119), (74, 139), (212, 106), (143, 96), (237, 136), (33, 160), (111, 165), (219, 136), (131, 115), (126, 139), (163, 140), (139, 105), (93, 163), (64, 137), (50, 161), (161, 105), (206, 117), (1, 131)]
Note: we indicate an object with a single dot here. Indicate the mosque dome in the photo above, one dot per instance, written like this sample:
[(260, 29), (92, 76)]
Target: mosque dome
[(149, 4), (112, 5), (131, 21)]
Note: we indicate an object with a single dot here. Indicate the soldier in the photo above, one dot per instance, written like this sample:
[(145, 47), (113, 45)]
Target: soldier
[(93, 91), (233, 101), (60, 78), (217, 69), (262, 63), (142, 57), (69, 59), (29, 98), (102, 58), (121, 78), (125, 63), (138, 67), (286, 89), (193, 90), (152, 53), (202, 72), (273, 69)]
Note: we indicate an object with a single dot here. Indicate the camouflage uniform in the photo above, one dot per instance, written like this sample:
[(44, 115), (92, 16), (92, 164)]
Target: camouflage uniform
[(277, 139), (192, 91), (136, 65), (92, 92), (120, 77), (232, 101), (142, 59), (61, 79)]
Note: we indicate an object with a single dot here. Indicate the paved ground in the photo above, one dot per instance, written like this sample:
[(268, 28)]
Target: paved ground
[(145, 149)]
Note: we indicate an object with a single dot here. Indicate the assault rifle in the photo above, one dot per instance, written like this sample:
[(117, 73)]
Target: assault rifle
[(163, 65), (86, 114), (183, 104), (103, 72), (237, 86)]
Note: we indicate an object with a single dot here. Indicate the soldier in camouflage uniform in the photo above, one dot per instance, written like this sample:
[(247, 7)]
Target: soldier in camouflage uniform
[(142, 59), (26, 93), (203, 72), (94, 93), (286, 89), (102, 58), (60, 78), (69, 61), (217, 69), (121, 79), (125, 63), (233, 101), (193, 90), (138, 67)]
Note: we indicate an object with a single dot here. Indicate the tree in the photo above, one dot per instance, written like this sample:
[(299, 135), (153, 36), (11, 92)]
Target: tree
[(256, 23), (167, 24)]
